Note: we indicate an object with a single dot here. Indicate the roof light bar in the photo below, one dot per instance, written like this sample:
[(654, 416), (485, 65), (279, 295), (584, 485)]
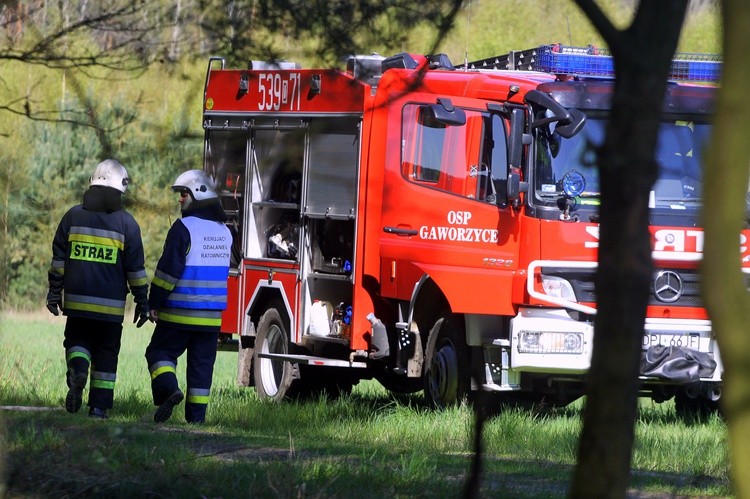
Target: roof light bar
[(595, 61)]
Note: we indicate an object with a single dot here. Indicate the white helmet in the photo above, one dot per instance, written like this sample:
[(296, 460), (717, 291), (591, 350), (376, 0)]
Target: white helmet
[(110, 173), (199, 183)]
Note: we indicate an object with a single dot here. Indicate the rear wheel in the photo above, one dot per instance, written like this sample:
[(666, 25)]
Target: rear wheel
[(244, 365), (274, 379), (446, 375)]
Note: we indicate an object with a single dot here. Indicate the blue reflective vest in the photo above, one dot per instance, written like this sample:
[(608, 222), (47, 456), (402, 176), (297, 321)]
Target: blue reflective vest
[(198, 296)]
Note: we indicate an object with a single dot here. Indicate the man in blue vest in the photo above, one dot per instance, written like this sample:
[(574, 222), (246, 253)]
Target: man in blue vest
[(188, 295), (97, 253)]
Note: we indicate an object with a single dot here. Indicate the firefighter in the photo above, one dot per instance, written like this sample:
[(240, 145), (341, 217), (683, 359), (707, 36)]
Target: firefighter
[(97, 253), (187, 297)]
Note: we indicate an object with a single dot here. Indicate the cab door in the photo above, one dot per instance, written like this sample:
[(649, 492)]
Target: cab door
[(444, 213)]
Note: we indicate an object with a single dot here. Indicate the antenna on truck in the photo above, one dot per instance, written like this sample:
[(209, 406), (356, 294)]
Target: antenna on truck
[(468, 30)]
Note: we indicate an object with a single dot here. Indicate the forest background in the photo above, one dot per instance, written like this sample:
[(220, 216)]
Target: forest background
[(82, 81)]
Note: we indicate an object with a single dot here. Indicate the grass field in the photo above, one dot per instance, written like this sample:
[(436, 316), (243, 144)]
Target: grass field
[(369, 444)]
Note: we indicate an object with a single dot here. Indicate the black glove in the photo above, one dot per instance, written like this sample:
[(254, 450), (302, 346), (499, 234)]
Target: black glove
[(54, 302), (141, 315)]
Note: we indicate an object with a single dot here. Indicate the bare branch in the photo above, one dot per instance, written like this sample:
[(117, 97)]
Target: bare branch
[(601, 22), (115, 41), (124, 37)]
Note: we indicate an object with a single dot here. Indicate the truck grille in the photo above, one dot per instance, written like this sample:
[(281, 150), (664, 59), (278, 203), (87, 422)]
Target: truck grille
[(677, 287)]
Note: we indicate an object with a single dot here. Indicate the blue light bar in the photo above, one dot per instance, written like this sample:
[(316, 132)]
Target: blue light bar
[(696, 67), (595, 61), (560, 59)]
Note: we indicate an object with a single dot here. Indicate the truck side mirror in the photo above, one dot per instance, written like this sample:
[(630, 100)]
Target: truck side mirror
[(575, 125), (518, 139), (515, 144), (569, 121), (515, 186), (446, 113)]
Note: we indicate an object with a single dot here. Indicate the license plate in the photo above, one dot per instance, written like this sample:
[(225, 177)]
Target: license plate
[(686, 340)]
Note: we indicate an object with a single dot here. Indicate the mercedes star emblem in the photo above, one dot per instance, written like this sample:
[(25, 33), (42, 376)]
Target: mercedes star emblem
[(668, 286)]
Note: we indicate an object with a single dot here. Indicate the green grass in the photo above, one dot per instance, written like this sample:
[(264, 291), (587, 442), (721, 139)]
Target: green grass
[(369, 444)]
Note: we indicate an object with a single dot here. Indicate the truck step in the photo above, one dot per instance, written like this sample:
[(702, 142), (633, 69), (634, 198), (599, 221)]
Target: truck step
[(312, 360)]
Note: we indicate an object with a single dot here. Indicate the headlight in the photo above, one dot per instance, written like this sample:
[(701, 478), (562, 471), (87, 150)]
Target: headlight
[(548, 342), (558, 287)]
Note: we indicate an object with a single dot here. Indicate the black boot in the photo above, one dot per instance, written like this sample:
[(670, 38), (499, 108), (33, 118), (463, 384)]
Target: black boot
[(164, 412), (76, 384), (97, 413)]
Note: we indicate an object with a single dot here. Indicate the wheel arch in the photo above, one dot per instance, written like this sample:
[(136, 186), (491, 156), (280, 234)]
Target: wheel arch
[(428, 304), (427, 301), (270, 295)]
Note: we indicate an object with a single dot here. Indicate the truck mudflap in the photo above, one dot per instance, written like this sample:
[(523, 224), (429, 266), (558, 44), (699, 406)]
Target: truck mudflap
[(312, 360)]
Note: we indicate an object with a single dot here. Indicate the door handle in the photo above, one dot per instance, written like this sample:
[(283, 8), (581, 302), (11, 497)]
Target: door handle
[(400, 232)]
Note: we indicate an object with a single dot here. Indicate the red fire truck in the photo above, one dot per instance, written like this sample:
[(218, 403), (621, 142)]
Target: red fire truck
[(436, 227)]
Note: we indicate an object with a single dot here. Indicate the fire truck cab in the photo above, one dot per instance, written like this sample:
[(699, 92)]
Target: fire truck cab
[(436, 227)]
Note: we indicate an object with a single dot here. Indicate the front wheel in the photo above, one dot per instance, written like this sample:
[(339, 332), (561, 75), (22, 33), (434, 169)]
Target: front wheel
[(446, 374), (273, 378), (693, 407)]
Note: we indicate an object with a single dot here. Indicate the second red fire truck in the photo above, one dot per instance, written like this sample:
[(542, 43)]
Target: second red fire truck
[(436, 227)]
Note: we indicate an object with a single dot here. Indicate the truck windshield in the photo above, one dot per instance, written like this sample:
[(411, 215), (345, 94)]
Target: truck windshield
[(680, 149)]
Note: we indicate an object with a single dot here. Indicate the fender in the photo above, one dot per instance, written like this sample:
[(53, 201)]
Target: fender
[(263, 294), (455, 281)]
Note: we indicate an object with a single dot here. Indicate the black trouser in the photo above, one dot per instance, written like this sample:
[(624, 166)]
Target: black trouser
[(167, 344), (95, 344)]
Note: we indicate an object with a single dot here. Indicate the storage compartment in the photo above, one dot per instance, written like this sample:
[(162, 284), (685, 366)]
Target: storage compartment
[(282, 235), (331, 245), (329, 308), (333, 167), (226, 160), (276, 231), (277, 155), (232, 201), (279, 159)]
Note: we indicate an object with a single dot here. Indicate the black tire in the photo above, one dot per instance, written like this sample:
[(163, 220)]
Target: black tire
[(694, 409), (245, 375), (446, 373), (273, 378)]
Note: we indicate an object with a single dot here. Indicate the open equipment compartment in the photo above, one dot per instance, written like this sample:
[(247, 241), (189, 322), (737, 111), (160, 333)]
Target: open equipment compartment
[(329, 220), (276, 167)]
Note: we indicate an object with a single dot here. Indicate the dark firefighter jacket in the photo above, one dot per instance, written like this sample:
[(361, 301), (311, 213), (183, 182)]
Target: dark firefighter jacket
[(96, 253)]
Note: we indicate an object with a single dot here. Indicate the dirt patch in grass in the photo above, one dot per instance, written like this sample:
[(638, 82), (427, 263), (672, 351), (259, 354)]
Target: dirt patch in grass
[(50, 455)]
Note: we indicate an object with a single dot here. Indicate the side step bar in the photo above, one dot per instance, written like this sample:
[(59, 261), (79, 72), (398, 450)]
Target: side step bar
[(312, 361)]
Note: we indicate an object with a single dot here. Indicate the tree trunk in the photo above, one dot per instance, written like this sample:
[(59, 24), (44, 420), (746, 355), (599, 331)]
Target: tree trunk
[(642, 55), (725, 192)]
